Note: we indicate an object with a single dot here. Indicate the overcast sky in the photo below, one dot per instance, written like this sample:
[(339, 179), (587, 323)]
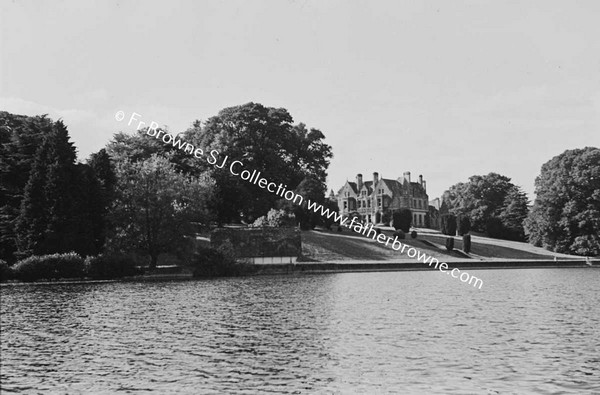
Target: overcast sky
[(447, 89)]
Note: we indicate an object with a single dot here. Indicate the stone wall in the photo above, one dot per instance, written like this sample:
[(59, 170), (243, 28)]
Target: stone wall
[(260, 245)]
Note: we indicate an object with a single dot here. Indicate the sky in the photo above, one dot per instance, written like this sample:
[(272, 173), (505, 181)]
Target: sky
[(446, 89)]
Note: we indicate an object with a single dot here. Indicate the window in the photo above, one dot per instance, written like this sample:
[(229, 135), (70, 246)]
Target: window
[(345, 205), (368, 203), (379, 202)]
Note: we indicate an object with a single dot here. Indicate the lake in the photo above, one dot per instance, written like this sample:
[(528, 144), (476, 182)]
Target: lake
[(527, 330)]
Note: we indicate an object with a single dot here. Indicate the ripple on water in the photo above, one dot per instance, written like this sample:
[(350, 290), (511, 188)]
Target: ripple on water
[(527, 330)]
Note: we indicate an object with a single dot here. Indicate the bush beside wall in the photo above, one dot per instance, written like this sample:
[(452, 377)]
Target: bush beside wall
[(50, 267), (209, 262)]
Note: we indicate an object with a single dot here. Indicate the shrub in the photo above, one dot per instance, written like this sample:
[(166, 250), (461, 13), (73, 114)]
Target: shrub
[(377, 231), (340, 228), (6, 272), (402, 219), (467, 243), (49, 267), (106, 266), (208, 262), (449, 243), (399, 234), (275, 218), (448, 224), (413, 234), (463, 225)]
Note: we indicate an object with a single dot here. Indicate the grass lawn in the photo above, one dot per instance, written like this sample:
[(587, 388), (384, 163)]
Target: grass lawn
[(333, 246), (324, 245)]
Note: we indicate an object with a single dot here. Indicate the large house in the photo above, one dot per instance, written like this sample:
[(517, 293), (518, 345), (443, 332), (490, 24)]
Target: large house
[(378, 199)]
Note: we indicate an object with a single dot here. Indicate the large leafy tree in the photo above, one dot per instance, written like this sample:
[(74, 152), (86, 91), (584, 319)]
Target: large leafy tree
[(155, 206), (310, 189), (264, 139), (566, 212), (489, 199)]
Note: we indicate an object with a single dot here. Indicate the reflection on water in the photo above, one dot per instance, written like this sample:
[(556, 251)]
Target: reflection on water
[(525, 331)]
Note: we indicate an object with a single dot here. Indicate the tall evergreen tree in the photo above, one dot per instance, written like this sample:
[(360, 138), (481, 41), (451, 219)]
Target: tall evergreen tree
[(20, 138), (50, 216)]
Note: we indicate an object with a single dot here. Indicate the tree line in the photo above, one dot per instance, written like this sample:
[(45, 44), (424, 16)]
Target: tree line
[(564, 217), (137, 194)]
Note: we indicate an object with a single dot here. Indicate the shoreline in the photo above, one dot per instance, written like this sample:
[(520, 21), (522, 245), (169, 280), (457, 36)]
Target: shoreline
[(388, 266), (340, 267)]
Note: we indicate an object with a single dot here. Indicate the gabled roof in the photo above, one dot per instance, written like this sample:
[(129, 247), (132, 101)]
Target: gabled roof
[(393, 186), (352, 185)]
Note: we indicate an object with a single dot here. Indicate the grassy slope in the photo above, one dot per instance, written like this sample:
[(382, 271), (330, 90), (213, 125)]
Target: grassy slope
[(332, 246)]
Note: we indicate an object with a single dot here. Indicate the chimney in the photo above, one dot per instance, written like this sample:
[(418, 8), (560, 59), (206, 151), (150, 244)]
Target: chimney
[(421, 179), (359, 182), (407, 176), (425, 186), (375, 178)]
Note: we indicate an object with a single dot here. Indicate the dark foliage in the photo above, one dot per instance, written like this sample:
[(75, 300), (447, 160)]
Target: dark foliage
[(413, 234), (265, 139), (402, 219), (449, 243), (208, 262), (566, 213), (497, 229), (20, 138), (106, 266), (463, 224), (6, 272), (484, 197), (50, 267), (62, 208), (311, 189), (466, 243), (448, 224)]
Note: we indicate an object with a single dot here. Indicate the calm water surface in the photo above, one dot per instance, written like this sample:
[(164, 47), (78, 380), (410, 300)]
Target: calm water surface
[(526, 331)]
